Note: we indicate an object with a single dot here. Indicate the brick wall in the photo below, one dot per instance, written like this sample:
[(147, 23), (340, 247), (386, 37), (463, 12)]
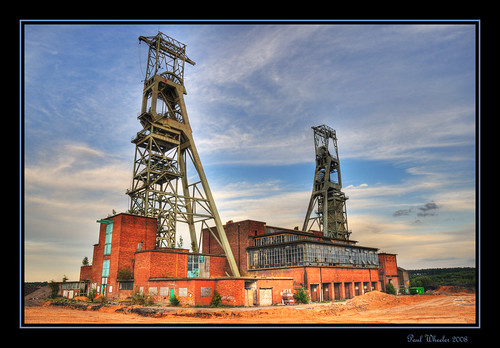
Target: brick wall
[(193, 292), (277, 287), (98, 257), (232, 291), (388, 264), (128, 232), (321, 282), (388, 270), (160, 264), (239, 237), (86, 273)]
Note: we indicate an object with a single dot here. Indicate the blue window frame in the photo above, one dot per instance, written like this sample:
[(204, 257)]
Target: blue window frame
[(105, 268), (107, 242)]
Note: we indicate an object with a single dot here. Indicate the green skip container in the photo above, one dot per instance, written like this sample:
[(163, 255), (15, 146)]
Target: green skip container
[(418, 290)]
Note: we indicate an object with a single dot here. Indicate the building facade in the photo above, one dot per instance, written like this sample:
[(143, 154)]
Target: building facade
[(273, 261), (328, 268), (390, 273), (126, 260)]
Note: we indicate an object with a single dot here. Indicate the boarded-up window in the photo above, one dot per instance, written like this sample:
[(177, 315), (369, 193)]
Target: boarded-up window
[(206, 291)]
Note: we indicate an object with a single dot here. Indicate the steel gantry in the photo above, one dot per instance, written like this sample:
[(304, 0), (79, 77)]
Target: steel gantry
[(165, 151), (327, 200)]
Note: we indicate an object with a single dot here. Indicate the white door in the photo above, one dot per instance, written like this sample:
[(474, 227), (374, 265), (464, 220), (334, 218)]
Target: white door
[(265, 297)]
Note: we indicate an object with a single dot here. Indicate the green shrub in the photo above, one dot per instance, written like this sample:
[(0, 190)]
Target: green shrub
[(174, 301), (124, 274), (141, 299), (389, 288), (301, 296), (54, 289), (216, 300), (92, 294)]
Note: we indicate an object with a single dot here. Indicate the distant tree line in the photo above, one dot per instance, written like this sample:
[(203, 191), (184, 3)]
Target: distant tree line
[(431, 278)]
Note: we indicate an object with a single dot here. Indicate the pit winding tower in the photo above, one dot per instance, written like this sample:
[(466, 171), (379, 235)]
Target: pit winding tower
[(168, 181), (327, 199)]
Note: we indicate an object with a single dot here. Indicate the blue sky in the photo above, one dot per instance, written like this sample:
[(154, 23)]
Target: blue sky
[(401, 98)]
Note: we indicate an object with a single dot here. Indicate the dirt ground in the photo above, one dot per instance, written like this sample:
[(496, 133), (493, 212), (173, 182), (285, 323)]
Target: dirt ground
[(372, 308)]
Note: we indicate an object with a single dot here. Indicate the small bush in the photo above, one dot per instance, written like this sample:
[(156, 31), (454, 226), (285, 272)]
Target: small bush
[(92, 294), (216, 300), (54, 289), (301, 296), (141, 299), (124, 274), (174, 301), (100, 299), (389, 288)]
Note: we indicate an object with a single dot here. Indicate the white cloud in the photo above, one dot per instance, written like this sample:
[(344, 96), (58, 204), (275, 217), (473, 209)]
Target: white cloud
[(256, 96), (66, 191), (76, 168), (267, 201)]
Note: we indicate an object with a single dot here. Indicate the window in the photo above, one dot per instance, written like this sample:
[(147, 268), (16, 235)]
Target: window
[(105, 268), (193, 269), (107, 241), (269, 255), (126, 285)]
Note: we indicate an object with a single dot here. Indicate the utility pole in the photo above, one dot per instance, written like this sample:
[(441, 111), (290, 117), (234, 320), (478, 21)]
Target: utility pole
[(327, 199), (165, 151)]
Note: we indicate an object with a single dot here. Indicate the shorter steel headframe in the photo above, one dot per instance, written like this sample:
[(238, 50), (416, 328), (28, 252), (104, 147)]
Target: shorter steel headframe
[(327, 199)]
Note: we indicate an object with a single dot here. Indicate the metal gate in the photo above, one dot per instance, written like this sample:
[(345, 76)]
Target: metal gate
[(347, 290), (336, 289), (265, 297), (326, 291), (314, 293)]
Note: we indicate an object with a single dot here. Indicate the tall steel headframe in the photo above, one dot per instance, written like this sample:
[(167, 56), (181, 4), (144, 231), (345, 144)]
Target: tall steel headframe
[(327, 200), (168, 180)]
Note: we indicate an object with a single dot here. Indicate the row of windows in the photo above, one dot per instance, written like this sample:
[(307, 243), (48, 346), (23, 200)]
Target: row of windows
[(332, 255), (73, 285), (289, 255), (279, 239), (311, 254)]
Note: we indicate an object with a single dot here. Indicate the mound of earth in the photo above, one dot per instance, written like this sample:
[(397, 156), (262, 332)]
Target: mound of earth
[(452, 290), (37, 296), (372, 299)]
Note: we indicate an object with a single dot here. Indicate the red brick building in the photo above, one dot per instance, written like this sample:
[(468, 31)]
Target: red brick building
[(329, 269), (389, 272), (271, 260), (126, 259)]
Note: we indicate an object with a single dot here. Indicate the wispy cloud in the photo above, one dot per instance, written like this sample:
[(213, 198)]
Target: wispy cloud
[(256, 99), (65, 194)]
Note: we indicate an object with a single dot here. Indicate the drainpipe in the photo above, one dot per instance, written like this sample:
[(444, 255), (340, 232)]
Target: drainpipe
[(320, 285), (306, 286), (239, 247)]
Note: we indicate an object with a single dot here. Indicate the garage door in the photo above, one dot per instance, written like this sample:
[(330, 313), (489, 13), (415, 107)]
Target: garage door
[(265, 297)]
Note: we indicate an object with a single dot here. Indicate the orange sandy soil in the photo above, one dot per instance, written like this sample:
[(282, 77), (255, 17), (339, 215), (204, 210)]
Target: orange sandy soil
[(372, 308)]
